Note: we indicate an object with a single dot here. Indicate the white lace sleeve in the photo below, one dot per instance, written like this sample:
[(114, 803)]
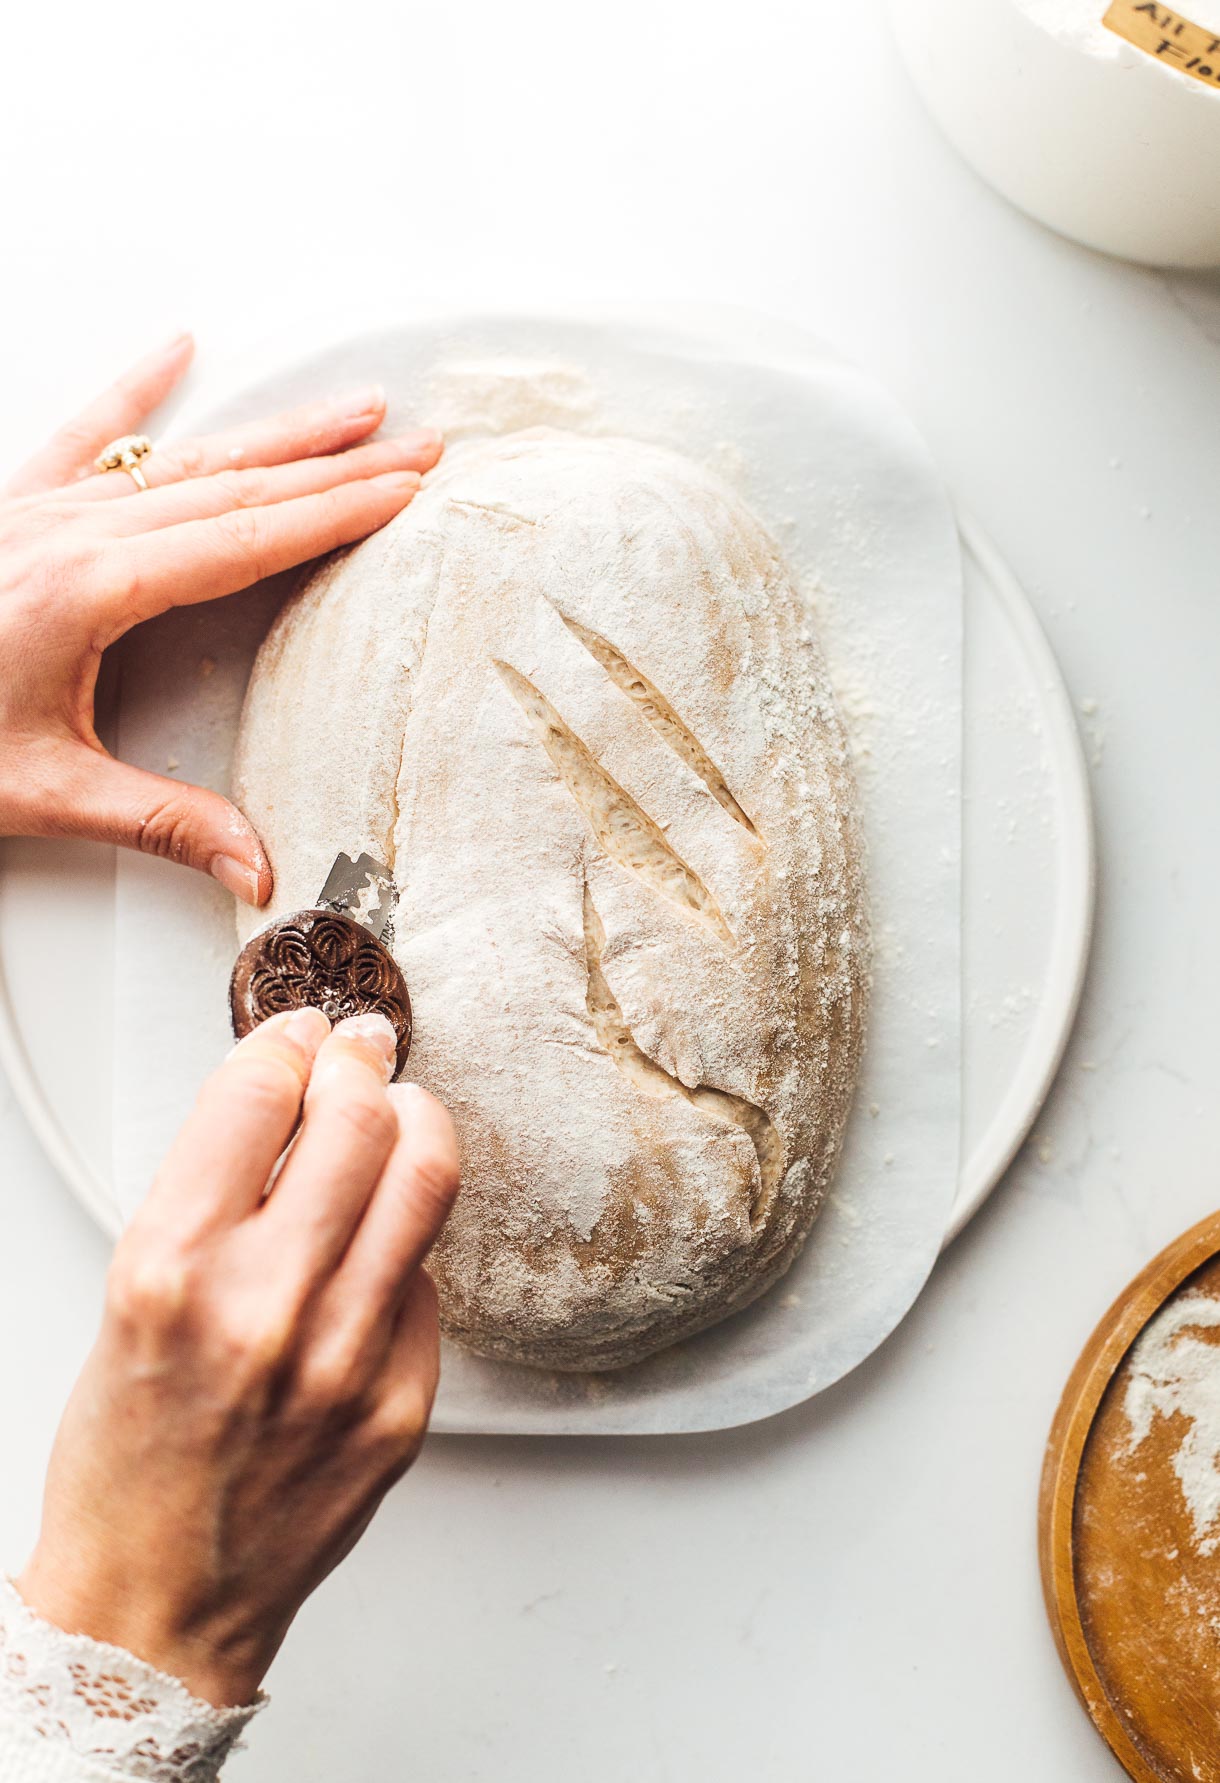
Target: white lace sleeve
[(73, 1710)]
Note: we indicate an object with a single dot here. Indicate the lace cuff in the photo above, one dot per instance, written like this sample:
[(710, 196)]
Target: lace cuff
[(95, 1711)]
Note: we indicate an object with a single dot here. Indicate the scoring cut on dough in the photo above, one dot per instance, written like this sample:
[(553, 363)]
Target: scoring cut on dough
[(571, 696)]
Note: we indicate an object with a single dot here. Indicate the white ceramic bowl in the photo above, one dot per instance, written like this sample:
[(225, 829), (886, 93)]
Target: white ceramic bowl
[(1076, 126)]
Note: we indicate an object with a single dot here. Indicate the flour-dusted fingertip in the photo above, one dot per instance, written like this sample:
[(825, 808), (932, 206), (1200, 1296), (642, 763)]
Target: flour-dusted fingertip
[(375, 1031)]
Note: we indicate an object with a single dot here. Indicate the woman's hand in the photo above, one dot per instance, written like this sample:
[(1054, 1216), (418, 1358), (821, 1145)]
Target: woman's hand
[(266, 1364), (85, 557)]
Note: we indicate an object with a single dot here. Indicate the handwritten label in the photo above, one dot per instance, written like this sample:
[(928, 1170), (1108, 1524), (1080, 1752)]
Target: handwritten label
[(1169, 37)]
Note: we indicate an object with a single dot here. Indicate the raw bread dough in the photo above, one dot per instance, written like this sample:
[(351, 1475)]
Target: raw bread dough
[(571, 696)]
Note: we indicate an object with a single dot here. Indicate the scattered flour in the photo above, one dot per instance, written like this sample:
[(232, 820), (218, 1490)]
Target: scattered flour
[(1014, 1008), (1094, 729), (473, 398), (1176, 1373), (658, 1096)]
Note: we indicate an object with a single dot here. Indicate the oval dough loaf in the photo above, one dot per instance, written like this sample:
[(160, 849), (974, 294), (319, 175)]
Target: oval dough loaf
[(571, 697)]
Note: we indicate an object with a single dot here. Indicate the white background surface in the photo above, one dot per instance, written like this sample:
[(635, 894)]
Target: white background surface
[(849, 1590)]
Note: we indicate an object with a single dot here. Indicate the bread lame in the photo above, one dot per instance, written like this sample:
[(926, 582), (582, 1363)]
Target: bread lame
[(333, 956)]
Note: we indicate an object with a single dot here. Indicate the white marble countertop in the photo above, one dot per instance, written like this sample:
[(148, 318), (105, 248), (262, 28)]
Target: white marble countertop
[(849, 1590)]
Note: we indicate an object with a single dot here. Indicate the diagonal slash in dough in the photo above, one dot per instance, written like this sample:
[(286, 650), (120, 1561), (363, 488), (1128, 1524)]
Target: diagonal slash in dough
[(653, 1080), (622, 827), (668, 724)]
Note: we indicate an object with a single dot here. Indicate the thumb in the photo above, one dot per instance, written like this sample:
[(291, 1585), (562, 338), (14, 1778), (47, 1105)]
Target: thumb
[(104, 800)]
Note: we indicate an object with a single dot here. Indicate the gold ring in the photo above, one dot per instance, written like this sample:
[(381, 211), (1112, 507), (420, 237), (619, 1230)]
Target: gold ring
[(124, 455)]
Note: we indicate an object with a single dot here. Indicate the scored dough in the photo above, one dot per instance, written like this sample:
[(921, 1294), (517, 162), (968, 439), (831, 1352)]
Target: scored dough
[(570, 695)]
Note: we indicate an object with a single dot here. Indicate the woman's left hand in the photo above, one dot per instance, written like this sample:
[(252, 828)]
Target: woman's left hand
[(84, 557)]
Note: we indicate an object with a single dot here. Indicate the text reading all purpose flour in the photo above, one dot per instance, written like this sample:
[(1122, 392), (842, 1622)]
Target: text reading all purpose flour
[(1175, 41)]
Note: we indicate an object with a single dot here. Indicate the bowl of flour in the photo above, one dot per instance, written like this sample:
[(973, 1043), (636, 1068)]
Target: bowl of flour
[(1100, 118)]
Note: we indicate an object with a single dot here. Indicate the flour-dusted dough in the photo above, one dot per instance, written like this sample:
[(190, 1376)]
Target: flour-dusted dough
[(571, 696)]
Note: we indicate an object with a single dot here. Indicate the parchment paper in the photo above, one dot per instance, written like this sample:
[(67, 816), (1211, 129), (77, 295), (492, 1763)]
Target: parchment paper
[(837, 474)]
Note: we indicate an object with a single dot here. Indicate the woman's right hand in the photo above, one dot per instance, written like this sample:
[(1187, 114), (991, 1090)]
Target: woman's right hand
[(266, 1364)]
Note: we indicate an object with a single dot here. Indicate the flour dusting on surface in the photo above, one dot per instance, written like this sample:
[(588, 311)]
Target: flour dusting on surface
[(475, 398), (577, 674), (1175, 1373)]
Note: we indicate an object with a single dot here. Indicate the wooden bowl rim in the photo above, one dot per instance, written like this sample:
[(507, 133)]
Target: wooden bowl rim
[(1096, 1367)]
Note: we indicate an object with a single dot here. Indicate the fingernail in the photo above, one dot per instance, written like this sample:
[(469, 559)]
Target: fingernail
[(398, 482), (176, 343), (421, 438), (354, 405), (377, 1031), (236, 877)]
